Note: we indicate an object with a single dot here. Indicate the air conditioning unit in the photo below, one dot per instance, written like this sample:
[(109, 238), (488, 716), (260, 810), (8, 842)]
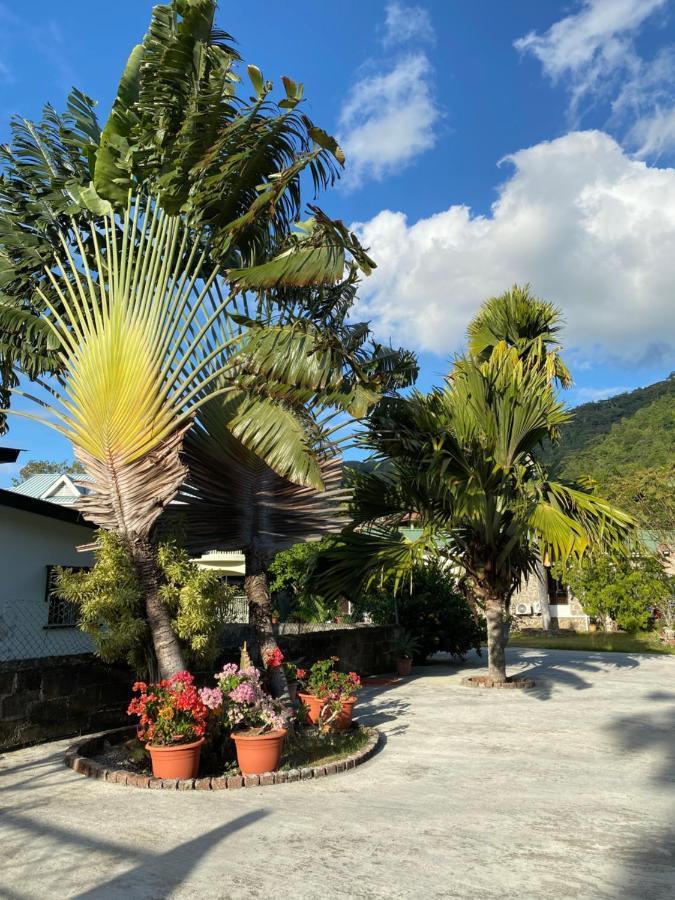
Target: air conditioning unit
[(536, 609), (523, 609)]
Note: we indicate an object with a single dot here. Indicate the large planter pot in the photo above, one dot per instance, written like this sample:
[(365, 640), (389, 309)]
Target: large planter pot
[(175, 760), (404, 666), (259, 753), (316, 704)]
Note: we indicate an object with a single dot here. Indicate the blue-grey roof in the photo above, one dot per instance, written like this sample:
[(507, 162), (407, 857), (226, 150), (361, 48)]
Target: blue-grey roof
[(37, 485), (40, 486)]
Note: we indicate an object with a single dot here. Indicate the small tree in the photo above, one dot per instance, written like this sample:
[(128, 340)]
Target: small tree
[(112, 610), (621, 591)]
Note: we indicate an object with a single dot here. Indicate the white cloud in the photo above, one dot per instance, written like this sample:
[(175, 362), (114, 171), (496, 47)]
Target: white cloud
[(590, 228), (388, 120), (407, 23), (593, 52)]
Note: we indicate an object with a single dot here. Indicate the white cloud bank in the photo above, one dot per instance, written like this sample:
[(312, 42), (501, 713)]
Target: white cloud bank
[(388, 120), (590, 228)]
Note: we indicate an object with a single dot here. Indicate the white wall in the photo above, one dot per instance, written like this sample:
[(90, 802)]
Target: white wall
[(28, 544)]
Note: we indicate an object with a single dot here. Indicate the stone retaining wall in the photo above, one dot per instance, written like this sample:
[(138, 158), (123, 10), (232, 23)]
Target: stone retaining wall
[(57, 697)]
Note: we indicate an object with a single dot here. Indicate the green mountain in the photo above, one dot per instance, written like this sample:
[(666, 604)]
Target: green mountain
[(634, 431)]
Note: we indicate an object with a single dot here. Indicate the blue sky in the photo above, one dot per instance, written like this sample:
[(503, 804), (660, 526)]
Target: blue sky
[(487, 143)]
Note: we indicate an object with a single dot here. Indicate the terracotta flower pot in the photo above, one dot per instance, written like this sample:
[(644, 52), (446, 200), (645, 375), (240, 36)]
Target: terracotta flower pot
[(404, 666), (175, 760), (316, 704), (259, 753)]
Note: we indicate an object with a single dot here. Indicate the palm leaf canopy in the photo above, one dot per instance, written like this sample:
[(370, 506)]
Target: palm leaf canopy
[(531, 326), (137, 337), (463, 460)]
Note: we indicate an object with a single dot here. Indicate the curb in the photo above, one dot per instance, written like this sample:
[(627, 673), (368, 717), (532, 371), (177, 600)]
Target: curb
[(78, 758)]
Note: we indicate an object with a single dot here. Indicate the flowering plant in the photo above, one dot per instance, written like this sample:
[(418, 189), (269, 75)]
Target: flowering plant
[(294, 673), (244, 703), (327, 683), (274, 658), (170, 712)]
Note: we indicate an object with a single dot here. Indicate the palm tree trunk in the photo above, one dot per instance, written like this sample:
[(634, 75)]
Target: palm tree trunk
[(496, 637), (164, 639), (542, 587), (256, 586)]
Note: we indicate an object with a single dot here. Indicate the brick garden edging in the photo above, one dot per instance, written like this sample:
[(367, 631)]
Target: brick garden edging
[(484, 681), (78, 758)]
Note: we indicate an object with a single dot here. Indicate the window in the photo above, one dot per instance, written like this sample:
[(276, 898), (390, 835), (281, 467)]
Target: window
[(557, 591), (60, 613)]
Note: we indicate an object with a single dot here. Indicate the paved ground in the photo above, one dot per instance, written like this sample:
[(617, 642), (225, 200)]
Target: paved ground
[(564, 791)]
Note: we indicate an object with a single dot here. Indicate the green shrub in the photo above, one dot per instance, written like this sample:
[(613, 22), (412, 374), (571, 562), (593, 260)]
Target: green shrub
[(112, 610), (431, 609)]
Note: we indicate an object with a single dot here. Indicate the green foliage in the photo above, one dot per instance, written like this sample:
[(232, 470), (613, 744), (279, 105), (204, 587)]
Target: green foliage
[(431, 609), (290, 573), (406, 645), (48, 467), (112, 609), (111, 605), (621, 590), (634, 429), (197, 599)]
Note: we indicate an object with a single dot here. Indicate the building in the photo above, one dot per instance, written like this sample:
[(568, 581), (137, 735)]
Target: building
[(39, 530), (545, 602), (36, 536)]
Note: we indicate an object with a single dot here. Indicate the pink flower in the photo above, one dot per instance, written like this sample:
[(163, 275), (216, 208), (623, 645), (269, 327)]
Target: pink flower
[(244, 693), (211, 697)]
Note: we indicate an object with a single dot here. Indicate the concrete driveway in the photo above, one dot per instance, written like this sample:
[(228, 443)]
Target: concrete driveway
[(564, 791)]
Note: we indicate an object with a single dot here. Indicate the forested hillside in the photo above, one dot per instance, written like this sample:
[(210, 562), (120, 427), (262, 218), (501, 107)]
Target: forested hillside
[(635, 429)]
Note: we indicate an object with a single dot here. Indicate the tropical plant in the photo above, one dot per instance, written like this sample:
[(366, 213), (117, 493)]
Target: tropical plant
[(428, 604), (111, 605), (619, 591), (244, 703), (133, 370), (406, 645), (170, 712), (289, 572), (464, 459)]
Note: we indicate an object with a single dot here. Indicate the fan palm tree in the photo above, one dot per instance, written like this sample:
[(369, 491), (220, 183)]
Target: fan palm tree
[(464, 459), (141, 346)]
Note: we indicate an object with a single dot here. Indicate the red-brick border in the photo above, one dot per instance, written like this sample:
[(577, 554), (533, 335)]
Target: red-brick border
[(78, 757), (485, 681)]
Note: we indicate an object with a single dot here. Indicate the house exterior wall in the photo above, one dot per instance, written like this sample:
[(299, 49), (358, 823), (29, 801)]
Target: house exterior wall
[(28, 544), (564, 616)]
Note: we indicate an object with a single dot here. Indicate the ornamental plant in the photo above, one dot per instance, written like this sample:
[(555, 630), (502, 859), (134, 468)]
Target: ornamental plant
[(327, 683), (170, 712), (274, 658), (244, 704), (294, 673)]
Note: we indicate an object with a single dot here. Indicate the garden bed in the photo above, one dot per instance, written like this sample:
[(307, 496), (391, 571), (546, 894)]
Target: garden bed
[(108, 757)]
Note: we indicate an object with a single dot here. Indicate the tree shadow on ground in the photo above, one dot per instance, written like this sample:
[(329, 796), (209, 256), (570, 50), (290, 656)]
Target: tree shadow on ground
[(648, 866), (48, 766), (152, 875), (550, 673), (378, 712)]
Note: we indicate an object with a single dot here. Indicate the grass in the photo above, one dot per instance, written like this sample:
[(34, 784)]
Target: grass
[(617, 642), (310, 747)]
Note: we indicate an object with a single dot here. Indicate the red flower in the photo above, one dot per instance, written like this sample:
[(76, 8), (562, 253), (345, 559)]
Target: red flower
[(274, 658)]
